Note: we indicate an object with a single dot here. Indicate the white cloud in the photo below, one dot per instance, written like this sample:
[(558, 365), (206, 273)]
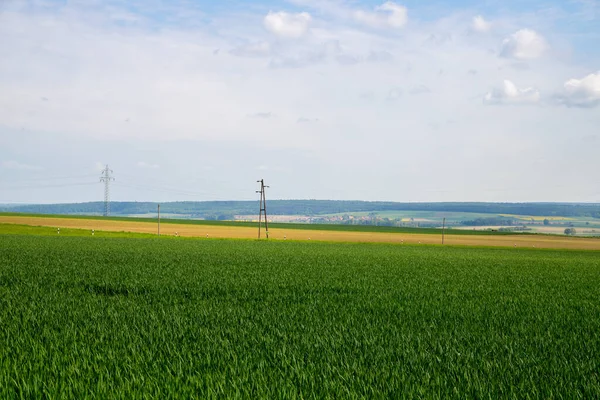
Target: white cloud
[(347, 59), (525, 44), (481, 25), (318, 54), (509, 93), (287, 25), (582, 92), (145, 165), (387, 15), (15, 165)]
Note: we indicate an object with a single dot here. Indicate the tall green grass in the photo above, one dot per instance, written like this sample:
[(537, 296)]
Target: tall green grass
[(132, 318)]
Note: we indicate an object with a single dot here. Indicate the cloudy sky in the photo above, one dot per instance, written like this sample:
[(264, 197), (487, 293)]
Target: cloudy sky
[(493, 100)]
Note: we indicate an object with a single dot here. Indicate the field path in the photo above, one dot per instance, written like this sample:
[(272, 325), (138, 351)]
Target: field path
[(215, 231)]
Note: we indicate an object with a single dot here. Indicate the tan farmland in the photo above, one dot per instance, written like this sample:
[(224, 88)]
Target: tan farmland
[(189, 230)]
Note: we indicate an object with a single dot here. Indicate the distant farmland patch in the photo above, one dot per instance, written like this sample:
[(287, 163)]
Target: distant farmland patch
[(304, 232)]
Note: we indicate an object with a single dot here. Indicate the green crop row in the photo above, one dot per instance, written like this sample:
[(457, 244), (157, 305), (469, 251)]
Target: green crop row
[(147, 318), (17, 229)]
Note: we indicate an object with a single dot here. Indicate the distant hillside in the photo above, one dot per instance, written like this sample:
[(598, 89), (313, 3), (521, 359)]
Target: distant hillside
[(227, 209)]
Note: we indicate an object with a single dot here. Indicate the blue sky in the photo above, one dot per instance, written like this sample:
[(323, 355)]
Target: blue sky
[(328, 99)]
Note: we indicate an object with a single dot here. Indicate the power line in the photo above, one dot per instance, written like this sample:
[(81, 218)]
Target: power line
[(48, 186), (163, 184), (169, 190), (54, 178), (160, 190)]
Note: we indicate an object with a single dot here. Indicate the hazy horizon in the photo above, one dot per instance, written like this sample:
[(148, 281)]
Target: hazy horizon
[(275, 199)]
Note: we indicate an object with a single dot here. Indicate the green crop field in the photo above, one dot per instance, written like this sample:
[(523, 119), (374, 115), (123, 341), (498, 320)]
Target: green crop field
[(17, 229), (150, 318)]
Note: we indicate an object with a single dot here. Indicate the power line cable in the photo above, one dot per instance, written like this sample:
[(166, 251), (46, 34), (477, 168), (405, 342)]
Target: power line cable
[(164, 188), (47, 186), (173, 191), (55, 178), (194, 182), (160, 190)]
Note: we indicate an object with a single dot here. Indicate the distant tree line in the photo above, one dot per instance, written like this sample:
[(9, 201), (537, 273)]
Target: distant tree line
[(226, 209), (489, 221)]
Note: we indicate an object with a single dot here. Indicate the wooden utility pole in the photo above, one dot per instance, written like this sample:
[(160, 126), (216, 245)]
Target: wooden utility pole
[(443, 229), (159, 220), (263, 208)]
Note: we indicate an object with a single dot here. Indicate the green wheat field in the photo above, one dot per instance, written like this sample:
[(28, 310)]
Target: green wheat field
[(111, 317)]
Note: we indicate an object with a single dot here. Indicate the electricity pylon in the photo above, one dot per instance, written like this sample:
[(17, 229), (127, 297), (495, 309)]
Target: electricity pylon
[(263, 208), (107, 178)]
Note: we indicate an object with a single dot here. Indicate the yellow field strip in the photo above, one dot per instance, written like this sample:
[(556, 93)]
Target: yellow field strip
[(536, 217), (186, 230)]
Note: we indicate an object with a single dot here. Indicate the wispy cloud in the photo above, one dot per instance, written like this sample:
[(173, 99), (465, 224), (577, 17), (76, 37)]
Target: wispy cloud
[(380, 56), (394, 94), (419, 89), (145, 165), (386, 15), (509, 93), (261, 115), (305, 120), (260, 49), (15, 165), (287, 25), (481, 25)]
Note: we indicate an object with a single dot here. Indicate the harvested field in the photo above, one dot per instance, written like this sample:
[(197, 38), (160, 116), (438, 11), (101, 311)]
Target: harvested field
[(190, 230)]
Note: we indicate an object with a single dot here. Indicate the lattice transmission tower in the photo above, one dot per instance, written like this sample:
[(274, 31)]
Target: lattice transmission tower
[(107, 177), (263, 208)]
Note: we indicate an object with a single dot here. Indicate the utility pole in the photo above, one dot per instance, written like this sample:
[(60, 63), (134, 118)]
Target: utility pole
[(263, 207), (443, 229), (106, 178), (159, 220)]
